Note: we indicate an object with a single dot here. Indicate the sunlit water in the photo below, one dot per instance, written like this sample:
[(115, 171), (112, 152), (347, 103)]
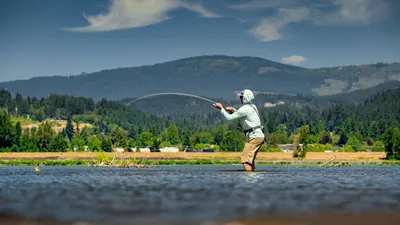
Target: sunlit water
[(174, 194)]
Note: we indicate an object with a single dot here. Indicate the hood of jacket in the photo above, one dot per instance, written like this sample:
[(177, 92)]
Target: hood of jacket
[(248, 96)]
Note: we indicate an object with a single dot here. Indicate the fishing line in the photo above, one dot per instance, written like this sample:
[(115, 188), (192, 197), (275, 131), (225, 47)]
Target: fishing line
[(171, 93)]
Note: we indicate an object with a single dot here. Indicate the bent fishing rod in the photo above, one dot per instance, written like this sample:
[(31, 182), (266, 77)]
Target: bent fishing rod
[(171, 93)]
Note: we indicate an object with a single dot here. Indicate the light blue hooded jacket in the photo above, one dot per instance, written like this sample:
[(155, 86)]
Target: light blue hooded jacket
[(249, 115)]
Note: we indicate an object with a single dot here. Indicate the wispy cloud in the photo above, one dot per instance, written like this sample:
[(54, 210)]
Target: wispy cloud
[(326, 12), (263, 4), (240, 19), (268, 28), (354, 12), (127, 14), (275, 4), (293, 60), (201, 10)]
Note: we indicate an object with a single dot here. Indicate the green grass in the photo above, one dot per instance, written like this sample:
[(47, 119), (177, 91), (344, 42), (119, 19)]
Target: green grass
[(172, 162), (23, 121), (29, 162), (391, 163)]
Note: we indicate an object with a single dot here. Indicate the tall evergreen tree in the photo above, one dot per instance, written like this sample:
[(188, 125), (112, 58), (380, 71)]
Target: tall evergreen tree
[(18, 133), (69, 129), (7, 131)]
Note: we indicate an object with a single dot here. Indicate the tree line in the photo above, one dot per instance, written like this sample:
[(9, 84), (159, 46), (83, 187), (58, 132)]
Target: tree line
[(372, 125)]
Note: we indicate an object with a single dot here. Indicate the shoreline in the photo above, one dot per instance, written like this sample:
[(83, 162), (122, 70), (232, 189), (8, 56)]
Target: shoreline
[(134, 159), (364, 218), (155, 163), (351, 156)]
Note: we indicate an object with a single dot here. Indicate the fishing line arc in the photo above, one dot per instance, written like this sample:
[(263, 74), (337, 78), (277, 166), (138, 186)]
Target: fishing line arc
[(170, 93)]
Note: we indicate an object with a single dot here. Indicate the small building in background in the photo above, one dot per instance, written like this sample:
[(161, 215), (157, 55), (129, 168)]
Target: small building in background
[(288, 147), (119, 149), (169, 149), (144, 150), (269, 104)]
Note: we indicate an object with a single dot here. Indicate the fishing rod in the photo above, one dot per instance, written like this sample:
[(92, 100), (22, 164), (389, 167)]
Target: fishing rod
[(170, 93)]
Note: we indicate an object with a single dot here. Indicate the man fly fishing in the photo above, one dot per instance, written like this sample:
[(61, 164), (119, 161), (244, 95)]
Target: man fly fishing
[(253, 129)]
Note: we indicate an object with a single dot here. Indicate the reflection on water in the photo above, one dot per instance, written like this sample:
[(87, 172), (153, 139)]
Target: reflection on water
[(193, 193)]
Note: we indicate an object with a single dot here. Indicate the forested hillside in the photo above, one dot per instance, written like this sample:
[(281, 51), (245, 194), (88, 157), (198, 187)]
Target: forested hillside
[(357, 127), (359, 96), (175, 105)]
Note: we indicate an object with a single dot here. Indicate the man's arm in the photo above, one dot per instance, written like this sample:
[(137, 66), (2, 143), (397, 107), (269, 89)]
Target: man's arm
[(230, 109), (235, 115)]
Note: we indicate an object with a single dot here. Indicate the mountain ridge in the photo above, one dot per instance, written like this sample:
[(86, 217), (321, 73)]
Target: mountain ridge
[(210, 76)]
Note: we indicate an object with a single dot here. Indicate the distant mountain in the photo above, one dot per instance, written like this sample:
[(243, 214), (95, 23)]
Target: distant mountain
[(352, 97), (361, 95), (175, 105), (211, 76)]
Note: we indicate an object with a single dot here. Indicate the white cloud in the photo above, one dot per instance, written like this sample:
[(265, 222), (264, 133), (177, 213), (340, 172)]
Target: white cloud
[(268, 28), (240, 19), (263, 4), (201, 10), (275, 4), (293, 60), (343, 12), (127, 14), (354, 12)]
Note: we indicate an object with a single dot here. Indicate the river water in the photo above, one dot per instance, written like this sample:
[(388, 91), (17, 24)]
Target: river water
[(194, 194)]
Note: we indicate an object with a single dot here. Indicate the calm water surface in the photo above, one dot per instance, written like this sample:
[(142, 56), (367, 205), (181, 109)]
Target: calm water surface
[(174, 194)]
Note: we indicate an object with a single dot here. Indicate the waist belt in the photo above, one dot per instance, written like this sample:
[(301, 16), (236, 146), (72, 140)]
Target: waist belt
[(253, 129)]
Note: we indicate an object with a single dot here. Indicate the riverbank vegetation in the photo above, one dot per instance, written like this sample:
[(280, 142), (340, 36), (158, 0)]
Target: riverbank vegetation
[(155, 163), (30, 125)]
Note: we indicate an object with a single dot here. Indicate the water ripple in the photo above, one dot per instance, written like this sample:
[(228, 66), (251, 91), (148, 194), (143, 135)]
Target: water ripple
[(195, 193)]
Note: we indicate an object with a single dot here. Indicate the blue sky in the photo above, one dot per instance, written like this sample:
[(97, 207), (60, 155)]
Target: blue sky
[(61, 37)]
